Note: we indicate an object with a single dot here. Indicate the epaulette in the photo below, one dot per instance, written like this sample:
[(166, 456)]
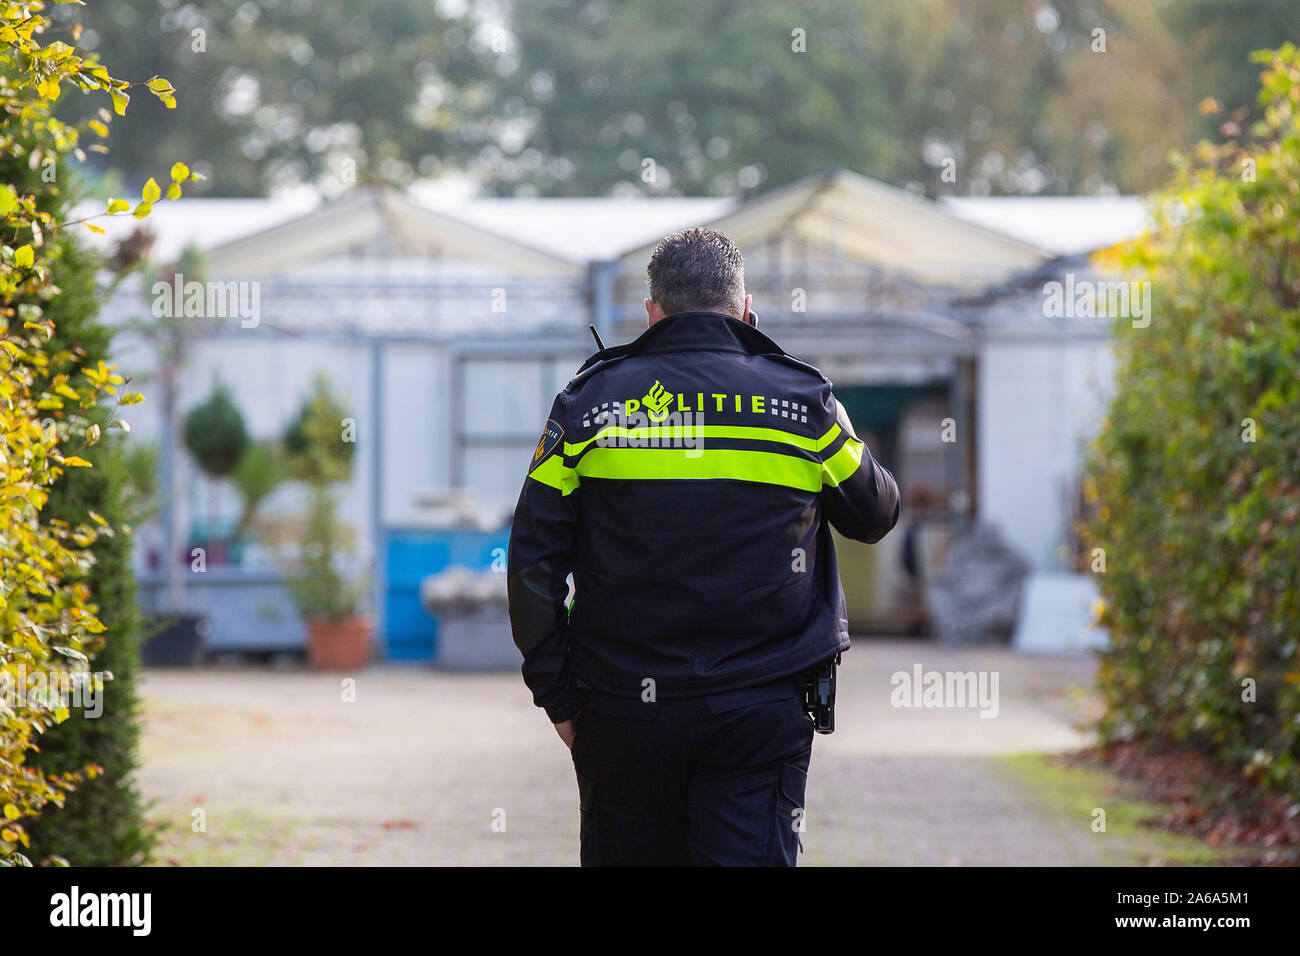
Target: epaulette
[(601, 359)]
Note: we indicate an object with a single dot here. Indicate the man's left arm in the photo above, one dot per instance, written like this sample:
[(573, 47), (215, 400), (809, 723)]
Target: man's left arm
[(541, 556)]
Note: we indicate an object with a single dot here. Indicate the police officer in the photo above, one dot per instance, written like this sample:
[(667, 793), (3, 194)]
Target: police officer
[(688, 481)]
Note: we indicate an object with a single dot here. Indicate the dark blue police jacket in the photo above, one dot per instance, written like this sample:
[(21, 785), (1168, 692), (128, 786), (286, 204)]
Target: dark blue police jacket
[(686, 480)]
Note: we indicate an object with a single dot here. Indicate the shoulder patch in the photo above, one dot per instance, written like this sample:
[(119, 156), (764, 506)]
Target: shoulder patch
[(549, 441)]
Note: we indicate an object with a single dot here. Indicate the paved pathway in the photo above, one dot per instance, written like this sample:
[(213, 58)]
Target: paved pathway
[(423, 764)]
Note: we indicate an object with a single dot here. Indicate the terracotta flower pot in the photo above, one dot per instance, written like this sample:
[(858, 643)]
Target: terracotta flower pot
[(338, 645)]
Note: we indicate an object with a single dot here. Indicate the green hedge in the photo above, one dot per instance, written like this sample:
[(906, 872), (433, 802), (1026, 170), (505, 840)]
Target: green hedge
[(102, 822), (1200, 523)]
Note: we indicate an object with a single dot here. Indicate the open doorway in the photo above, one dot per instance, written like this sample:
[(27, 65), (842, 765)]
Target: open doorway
[(903, 425)]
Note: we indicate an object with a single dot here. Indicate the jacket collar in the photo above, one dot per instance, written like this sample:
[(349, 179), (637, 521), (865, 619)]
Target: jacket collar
[(702, 331), (695, 332)]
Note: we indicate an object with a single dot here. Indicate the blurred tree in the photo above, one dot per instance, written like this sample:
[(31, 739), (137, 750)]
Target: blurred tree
[(712, 93), (215, 434), (319, 449), (571, 97), (316, 449), (1002, 96), (328, 92), (1218, 36), (260, 472)]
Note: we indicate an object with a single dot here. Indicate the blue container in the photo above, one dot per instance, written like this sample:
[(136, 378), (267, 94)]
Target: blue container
[(411, 555)]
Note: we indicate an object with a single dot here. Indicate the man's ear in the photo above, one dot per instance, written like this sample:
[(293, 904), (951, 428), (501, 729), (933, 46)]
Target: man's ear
[(653, 312), (745, 317)]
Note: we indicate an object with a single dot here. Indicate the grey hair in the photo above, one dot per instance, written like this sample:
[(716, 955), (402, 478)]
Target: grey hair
[(697, 269)]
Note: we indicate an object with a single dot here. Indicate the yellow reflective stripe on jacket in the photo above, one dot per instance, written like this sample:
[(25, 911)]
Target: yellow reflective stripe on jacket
[(829, 437), (772, 468), (556, 474), (843, 463), (707, 431)]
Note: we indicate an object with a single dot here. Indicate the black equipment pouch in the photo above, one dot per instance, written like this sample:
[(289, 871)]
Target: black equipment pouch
[(819, 694)]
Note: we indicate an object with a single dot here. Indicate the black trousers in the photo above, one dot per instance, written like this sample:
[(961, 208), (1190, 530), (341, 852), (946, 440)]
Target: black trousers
[(701, 781)]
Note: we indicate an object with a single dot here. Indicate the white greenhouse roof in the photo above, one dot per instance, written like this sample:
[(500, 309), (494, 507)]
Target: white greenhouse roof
[(1064, 225), (587, 230), (545, 236), (204, 222)]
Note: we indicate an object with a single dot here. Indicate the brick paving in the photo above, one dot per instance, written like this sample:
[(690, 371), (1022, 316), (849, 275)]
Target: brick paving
[(451, 769)]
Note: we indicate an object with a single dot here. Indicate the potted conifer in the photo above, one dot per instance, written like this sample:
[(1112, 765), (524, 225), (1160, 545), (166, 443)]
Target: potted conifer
[(319, 453)]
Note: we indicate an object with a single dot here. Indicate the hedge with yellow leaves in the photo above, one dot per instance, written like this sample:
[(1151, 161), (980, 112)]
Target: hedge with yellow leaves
[(48, 415)]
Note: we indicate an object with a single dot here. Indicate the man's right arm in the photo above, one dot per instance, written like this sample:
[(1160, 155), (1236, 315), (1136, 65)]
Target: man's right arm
[(859, 494)]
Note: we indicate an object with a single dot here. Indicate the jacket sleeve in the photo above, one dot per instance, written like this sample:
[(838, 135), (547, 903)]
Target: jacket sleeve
[(541, 556), (859, 495)]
